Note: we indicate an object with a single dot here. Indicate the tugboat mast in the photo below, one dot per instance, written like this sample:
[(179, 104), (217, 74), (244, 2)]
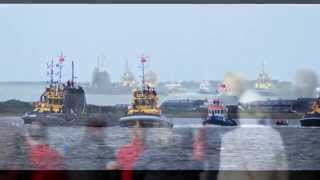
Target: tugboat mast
[(61, 60), (143, 74), (72, 78), (143, 60), (51, 73)]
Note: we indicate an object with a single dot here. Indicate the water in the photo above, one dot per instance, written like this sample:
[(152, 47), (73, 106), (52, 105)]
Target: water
[(254, 145), (186, 146)]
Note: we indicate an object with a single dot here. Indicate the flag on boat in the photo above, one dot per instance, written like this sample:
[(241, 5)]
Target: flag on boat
[(143, 60), (61, 58), (223, 88)]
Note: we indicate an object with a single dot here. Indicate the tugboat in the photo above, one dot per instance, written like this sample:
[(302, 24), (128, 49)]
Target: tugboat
[(217, 115), (59, 103), (312, 118), (144, 111)]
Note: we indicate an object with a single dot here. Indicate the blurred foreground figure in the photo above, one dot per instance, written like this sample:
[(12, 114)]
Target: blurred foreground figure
[(42, 156), (243, 160), (127, 155)]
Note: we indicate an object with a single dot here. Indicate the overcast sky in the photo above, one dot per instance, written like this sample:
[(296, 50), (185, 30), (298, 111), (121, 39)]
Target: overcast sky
[(184, 42)]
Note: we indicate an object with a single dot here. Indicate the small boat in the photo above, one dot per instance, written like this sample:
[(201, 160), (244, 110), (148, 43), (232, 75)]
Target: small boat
[(282, 122), (217, 115), (175, 87), (312, 118), (144, 111)]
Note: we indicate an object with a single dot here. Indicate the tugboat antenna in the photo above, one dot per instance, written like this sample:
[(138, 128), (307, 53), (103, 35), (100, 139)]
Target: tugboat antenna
[(72, 78), (51, 72), (143, 60), (143, 74), (61, 60)]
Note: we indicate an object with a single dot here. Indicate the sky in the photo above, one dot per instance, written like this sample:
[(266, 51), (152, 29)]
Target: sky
[(183, 42)]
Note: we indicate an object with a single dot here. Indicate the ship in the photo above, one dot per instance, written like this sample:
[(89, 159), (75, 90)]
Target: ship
[(263, 81), (100, 83), (174, 87), (218, 115), (204, 87), (62, 102), (312, 118), (264, 87), (128, 79), (144, 110)]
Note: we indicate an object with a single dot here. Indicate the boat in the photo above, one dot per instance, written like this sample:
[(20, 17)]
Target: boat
[(218, 115), (204, 87), (174, 87), (101, 82), (282, 122), (263, 81), (144, 110), (312, 118), (127, 79), (58, 103)]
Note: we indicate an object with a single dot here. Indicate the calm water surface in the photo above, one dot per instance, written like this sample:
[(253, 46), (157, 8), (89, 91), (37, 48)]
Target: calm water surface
[(187, 146)]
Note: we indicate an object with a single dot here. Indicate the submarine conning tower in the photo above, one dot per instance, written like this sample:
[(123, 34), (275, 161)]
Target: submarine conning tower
[(74, 100), (74, 97)]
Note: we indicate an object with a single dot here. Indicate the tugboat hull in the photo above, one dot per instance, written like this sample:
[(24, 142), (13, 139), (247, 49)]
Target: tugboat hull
[(310, 120), (60, 119), (145, 121), (220, 121)]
